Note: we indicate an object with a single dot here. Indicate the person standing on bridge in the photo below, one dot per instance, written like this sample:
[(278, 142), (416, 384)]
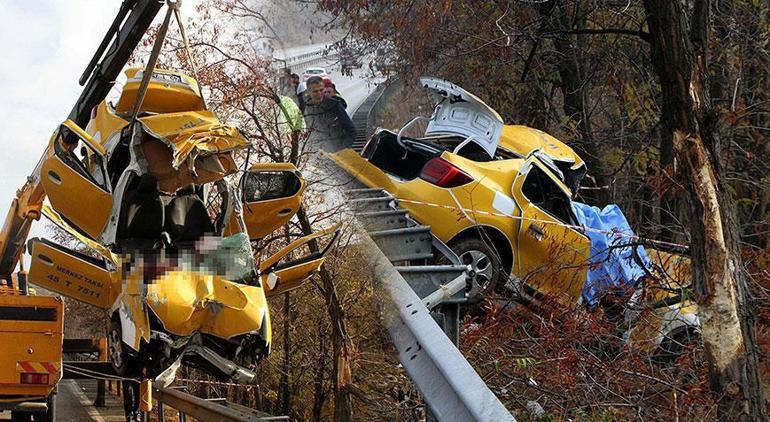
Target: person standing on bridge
[(327, 121)]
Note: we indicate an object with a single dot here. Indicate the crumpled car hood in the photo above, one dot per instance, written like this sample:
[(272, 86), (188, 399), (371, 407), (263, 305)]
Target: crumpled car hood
[(193, 133), (187, 302)]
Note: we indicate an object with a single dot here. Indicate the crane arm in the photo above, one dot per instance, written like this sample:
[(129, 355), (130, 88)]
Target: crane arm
[(25, 208), (99, 76)]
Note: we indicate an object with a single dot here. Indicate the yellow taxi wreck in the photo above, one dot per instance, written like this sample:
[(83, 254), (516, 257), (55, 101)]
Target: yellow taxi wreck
[(166, 223), (500, 196)]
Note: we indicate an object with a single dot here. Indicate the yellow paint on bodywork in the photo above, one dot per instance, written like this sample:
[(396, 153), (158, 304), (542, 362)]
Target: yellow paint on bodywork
[(265, 216), (105, 123), (188, 302), (193, 133), (162, 96), (68, 190), (524, 140)]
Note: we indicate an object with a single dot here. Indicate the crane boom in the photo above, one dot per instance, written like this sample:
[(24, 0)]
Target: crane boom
[(127, 29), (101, 76)]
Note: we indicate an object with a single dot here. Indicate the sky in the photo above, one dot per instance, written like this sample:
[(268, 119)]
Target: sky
[(46, 45)]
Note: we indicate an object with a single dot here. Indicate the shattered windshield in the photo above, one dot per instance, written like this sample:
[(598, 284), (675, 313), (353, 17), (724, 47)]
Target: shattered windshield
[(229, 257)]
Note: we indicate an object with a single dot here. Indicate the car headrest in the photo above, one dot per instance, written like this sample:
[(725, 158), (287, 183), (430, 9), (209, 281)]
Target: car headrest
[(147, 184)]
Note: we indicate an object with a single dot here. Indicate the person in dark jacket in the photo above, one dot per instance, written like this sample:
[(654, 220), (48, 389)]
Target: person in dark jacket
[(328, 124), (330, 90)]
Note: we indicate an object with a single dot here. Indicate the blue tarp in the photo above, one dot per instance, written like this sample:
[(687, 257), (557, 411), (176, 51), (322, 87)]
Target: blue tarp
[(611, 266)]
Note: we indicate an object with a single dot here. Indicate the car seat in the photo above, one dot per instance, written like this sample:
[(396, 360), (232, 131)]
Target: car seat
[(142, 216), (186, 218)]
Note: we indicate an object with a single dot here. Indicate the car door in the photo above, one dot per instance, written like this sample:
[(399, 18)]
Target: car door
[(551, 249), (280, 274), (92, 278), (75, 180), (271, 193)]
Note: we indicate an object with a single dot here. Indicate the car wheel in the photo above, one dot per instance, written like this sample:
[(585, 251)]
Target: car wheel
[(123, 361), (483, 262)]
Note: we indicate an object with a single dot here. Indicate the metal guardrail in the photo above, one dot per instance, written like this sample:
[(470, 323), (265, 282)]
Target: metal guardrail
[(309, 58), (425, 341), (208, 409), (451, 388)]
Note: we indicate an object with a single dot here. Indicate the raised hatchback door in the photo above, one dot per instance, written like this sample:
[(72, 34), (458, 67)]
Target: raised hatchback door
[(71, 273), (280, 275), (75, 181), (552, 252), (271, 194)]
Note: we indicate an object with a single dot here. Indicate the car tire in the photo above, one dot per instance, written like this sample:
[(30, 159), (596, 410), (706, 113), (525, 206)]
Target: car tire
[(485, 266), (124, 362)]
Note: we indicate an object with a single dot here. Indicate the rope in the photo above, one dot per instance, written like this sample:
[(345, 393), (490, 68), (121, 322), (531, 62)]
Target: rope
[(226, 384), (151, 64), (178, 14), (95, 375)]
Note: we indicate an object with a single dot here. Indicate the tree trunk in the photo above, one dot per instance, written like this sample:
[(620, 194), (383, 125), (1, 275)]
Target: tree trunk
[(572, 84), (719, 281), (284, 390), (319, 394), (342, 347)]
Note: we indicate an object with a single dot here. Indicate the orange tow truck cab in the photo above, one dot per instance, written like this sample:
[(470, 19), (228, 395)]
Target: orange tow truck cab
[(31, 327)]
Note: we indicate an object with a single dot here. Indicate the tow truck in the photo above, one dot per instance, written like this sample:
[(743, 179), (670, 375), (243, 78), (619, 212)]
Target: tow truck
[(176, 276)]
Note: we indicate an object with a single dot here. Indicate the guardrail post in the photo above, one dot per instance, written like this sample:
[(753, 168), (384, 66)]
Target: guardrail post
[(101, 344)]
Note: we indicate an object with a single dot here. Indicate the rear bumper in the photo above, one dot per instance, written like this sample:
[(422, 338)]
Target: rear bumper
[(37, 405)]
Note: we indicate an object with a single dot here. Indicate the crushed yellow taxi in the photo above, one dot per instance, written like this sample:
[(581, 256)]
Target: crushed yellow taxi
[(165, 238)]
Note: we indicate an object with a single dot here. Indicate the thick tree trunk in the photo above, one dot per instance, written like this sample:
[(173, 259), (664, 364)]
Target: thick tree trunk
[(720, 285), (342, 347)]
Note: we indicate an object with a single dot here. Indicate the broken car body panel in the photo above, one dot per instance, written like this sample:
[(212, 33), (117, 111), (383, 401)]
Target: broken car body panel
[(181, 286), (73, 169), (193, 133), (463, 113), (279, 276)]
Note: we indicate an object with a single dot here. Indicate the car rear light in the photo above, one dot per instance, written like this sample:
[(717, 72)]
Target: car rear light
[(32, 378), (442, 173)]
